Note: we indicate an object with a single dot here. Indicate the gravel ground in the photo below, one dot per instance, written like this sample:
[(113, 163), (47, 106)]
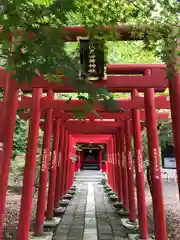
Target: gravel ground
[(172, 208), (13, 199)]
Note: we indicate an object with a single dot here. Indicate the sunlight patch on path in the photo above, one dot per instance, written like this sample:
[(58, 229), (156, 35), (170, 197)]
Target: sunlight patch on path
[(90, 230)]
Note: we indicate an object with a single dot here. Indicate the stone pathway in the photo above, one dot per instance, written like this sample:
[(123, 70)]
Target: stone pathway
[(90, 216), (72, 224), (90, 230)]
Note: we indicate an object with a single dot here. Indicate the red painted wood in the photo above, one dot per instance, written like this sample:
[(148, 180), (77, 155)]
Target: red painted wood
[(8, 120), (124, 169), (60, 164), (110, 166), (77, 124), (141, 199), (107, 115), (161, 103), (94, 138), (174, 88), (138, 102), (119, 167), (104, 115), (45, 156), (135, 68), (90, 128), (100, 159), (115, 165), (63, 165), (130, 172), (155, 169), (53, 171), (113, 82), (79, 161), (29, 170), (69, 165), (66, 164), (80, 136)]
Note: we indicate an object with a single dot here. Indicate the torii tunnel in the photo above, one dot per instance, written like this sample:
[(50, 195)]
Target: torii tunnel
[(116, 130)]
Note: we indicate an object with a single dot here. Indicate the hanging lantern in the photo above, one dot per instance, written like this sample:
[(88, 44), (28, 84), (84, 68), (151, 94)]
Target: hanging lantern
[(92, 60)]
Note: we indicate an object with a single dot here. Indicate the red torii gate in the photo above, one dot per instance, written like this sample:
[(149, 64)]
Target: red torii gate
[(87, 138), (48, 103), (40, 216), (114, 83), (129, 83), (102, 115), (109, 126)]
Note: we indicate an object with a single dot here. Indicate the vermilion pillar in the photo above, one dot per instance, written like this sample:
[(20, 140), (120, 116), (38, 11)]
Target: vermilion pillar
[(60, 163), (64, 165), (45, 156), (100, 158), (69, 164), (141, 200), (154, 160), (72, 169), (72, 164), (119, 172), (112, 165), (130, 171), (67, 168), (115, 165), (109, 168), (108, 165), (53, 169), (79, 161), (8, 123), (30, 166), (174, 89), (107, 162), (124, 169)]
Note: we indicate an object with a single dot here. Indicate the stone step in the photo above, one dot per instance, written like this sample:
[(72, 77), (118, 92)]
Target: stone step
[(92, 168), (87, 180), (96, 177), (89, 176), (90, 164)]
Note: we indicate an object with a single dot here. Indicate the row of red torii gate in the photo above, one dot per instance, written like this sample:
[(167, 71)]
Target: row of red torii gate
[(116, 130)]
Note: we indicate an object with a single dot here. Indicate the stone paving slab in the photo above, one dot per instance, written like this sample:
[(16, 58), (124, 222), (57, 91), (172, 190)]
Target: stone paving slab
[(91, 216)]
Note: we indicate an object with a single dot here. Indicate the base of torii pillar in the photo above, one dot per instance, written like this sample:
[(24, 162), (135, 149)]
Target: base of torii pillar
[(137, 237), (68, 196), (118, 205), (64, 203), (44, 236), (52, 223), (123, 212), (129, 225), (58, 212)]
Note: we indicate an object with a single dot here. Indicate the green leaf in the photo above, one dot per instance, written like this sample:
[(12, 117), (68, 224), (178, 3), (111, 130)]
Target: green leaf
[(96, 114), (69, 100)]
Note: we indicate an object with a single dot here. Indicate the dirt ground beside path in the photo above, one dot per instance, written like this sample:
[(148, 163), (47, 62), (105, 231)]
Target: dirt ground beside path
[(172, 209), (12, 209), (171, 199)]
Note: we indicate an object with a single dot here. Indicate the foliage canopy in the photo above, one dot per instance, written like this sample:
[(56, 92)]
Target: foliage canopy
[(47, 52)]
